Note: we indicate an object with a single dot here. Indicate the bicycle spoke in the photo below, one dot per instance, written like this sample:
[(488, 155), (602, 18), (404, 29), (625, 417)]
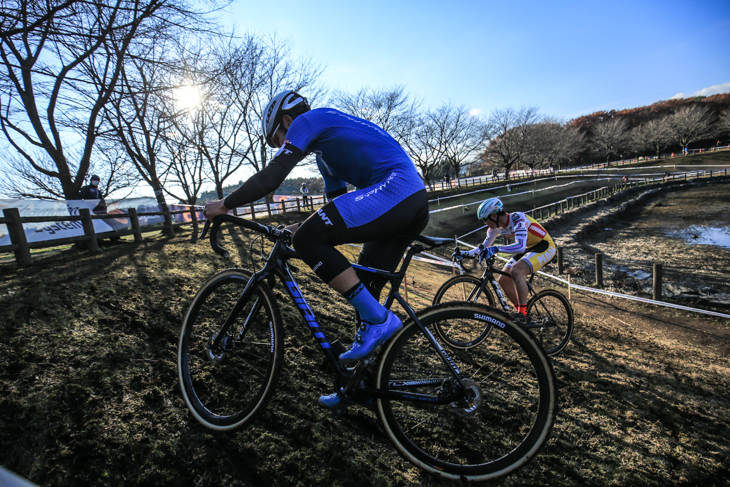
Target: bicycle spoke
[(225, 380), (502, 410), (550, 317), (462, 334)]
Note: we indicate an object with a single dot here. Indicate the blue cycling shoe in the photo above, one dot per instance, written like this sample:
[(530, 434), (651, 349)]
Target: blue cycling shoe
[(331, 401), (370, 336)]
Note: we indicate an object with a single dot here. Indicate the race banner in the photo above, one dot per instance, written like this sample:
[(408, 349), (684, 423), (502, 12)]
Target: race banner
[(44, 231)]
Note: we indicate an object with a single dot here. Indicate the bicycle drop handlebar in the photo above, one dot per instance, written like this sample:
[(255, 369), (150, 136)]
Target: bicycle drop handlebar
[(458, 256), (271, 233)]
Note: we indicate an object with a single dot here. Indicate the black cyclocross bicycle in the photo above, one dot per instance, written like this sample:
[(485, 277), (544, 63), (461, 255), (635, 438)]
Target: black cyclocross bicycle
[(474, 415), (549, 313)]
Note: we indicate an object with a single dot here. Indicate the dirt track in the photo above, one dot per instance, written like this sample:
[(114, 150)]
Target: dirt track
[(89, 393), (694, 275)]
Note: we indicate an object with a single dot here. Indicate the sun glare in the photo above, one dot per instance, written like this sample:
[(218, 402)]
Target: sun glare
[(188, 97)]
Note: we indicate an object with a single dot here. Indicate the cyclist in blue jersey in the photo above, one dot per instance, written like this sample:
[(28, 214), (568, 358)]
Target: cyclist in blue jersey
[(390, 203)]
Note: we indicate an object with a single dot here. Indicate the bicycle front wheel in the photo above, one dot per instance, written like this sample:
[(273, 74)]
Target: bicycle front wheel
[(550, 317), (463, 288), (225, 386), (496, 425)]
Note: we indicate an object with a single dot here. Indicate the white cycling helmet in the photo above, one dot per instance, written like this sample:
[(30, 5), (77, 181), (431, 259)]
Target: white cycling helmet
[(285, 103), (489, 207)]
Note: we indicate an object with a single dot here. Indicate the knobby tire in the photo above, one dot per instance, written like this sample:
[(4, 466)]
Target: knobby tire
[(509, 378), (225, 388), (463, 288)]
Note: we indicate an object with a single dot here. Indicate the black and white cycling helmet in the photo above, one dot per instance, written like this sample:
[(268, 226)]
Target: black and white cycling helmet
[(285, 103)]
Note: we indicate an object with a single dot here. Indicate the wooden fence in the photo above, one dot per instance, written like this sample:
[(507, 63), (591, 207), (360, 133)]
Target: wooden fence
[(546, 211), (281, 206), (21, 247)]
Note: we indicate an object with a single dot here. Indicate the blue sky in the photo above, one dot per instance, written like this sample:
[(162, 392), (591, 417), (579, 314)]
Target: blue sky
[(566, 58)]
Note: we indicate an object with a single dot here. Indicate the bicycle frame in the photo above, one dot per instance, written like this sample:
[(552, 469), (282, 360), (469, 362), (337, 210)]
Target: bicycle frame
[(349, 378), (488, 276)]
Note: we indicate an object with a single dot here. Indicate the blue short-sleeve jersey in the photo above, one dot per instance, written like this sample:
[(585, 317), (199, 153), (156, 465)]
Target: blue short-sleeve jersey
[(348, 149)]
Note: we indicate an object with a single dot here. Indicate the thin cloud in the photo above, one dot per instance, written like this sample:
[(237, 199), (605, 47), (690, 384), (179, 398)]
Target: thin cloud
[(712, 90)]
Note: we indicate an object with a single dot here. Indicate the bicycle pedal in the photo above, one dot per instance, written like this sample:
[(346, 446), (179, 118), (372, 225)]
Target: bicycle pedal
[(355, 362)]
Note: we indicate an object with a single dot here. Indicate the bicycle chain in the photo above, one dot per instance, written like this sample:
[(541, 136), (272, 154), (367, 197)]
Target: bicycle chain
[(413, 418)]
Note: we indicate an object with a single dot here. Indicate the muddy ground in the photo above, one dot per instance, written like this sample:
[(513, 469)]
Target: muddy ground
[(664, 229), (89, 393)]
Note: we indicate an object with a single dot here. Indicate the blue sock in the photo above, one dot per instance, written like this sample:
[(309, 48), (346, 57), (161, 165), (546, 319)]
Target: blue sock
[(369, 308)]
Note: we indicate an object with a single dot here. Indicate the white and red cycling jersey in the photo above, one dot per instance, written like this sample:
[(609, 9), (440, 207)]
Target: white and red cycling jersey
[(532, 242), (524, 229)]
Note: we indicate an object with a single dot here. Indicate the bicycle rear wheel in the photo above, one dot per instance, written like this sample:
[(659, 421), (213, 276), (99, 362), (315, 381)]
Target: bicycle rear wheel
[(511, 402), (463, 288), (550, 317), (225, 387)]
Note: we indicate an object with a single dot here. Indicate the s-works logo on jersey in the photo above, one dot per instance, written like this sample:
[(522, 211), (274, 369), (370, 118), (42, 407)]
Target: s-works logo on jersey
[(324, 217), (375, 190)]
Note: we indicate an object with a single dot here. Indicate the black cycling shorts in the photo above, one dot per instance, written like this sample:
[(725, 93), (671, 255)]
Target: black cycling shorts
[(383, 239)]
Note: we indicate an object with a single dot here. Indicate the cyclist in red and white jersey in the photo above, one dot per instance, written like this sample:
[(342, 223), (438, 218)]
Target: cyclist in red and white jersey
[(532, 249)]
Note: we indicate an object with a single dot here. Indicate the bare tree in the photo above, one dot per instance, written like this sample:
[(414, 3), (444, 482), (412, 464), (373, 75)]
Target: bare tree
[(505, 132), (274, 72), (187, 170), (116, 173), (390, 109), (551, 142), (61, 63), (225, 78), (137, 117), (610, 137), (690, 124), (655, 134), (423, 141), (461, 135)]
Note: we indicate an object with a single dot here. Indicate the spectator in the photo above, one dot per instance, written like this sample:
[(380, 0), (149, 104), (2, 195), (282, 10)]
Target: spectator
[(92, 192), (305, 192), (495, 177)]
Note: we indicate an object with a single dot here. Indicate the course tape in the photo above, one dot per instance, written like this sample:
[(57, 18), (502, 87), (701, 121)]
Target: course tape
[(619, 295), (434, 259), (635, 298), (531, 191)]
